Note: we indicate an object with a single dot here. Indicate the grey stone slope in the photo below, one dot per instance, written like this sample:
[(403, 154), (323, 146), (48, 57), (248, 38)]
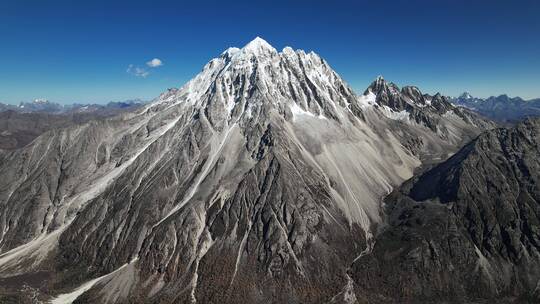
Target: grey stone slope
[(466, 230)]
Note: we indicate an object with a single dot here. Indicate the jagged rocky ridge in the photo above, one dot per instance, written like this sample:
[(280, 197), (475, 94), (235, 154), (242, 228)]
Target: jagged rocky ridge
[(260, 180), (467, 230), (411, 104)]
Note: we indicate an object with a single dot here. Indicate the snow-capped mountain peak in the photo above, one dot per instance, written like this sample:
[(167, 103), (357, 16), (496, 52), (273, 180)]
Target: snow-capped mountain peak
[(258, 46), (40, 101), (230, 52), (466, 95), (288, 50), (246, 80), (380, 85)]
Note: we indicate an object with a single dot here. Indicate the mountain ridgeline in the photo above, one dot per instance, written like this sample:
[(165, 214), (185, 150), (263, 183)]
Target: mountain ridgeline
[(501, 108), (46, 106), (261, 180)]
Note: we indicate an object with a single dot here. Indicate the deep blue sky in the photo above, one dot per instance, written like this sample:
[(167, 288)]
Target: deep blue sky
[(79, 51)]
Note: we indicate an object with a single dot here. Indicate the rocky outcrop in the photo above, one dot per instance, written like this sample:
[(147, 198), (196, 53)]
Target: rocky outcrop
[(466, 230), (434, 112)]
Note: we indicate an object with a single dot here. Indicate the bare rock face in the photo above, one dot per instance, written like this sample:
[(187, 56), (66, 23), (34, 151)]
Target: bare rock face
[(258, 181), (434, 112), (467, 230)]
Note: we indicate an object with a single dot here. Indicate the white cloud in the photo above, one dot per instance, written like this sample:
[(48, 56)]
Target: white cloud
[(137, 71), (154, 63), (142, 71)]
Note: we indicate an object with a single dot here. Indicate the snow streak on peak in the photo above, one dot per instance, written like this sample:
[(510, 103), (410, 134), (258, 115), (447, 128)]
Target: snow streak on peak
[(288, 50), (230, 52), (379, 81)]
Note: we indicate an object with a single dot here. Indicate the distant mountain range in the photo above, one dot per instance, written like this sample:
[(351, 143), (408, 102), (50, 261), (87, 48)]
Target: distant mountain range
[(501, 108), (46, 106), (20, 124)]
